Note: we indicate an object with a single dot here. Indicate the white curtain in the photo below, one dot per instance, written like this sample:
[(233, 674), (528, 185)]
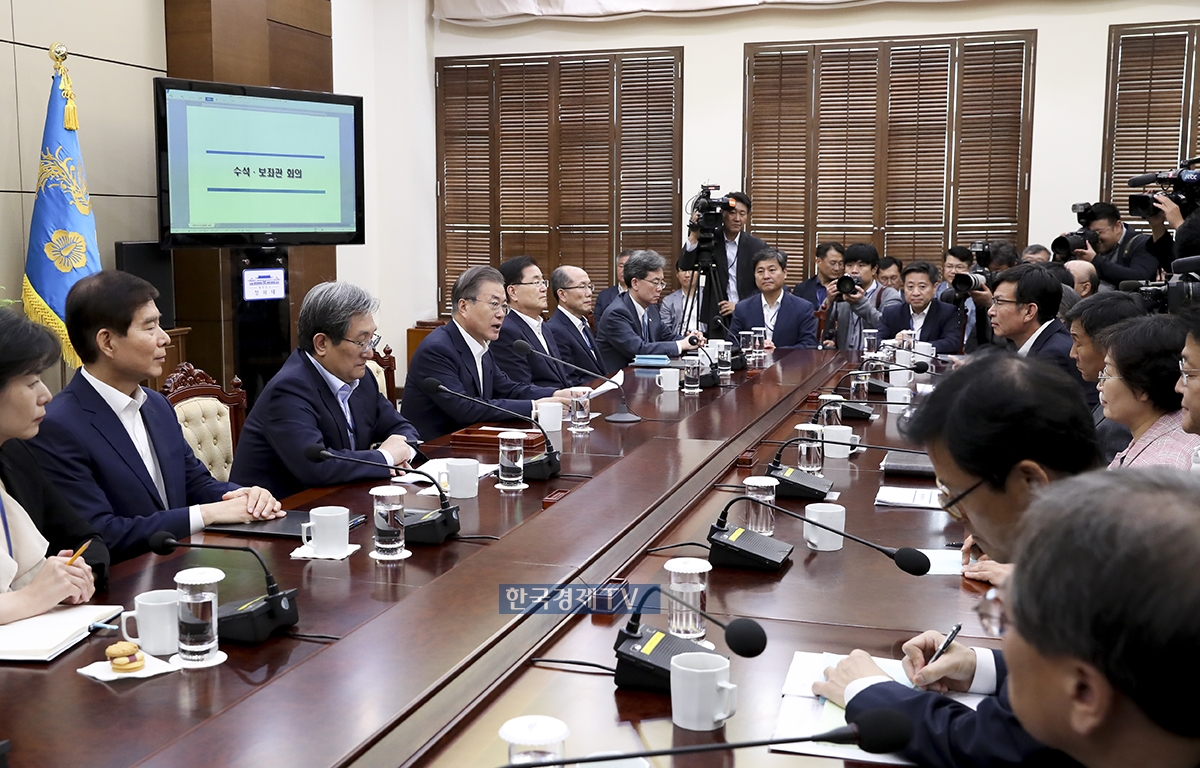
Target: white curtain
[(493, 12)]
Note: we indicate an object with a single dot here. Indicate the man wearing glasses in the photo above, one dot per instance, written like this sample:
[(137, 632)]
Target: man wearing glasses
[(998, 432), (568, 325), (526, 291), (457, 355), (324, 395), (632, 326), (1123, 254)]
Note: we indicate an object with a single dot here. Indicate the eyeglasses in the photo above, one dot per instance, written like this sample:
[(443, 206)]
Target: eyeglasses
[(996, 301), (370, 343), (1186, 373), (588, 286), (950, 504), (1104, 376), (539, 283), (497, 307), (992, 615), (659, 284)]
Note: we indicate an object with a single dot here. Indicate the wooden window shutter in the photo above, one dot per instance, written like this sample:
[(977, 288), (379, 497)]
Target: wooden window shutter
[(585, 162), (523, 130)]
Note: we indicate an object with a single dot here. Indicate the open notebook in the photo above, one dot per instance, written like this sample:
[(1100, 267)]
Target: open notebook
[(41, 638)]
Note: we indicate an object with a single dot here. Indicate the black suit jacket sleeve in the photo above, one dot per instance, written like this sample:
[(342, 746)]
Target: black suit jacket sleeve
[(1132, 261), (50, 512)]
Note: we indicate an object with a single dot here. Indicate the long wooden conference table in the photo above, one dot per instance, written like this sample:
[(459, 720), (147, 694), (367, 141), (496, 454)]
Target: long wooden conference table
[(427, 667)]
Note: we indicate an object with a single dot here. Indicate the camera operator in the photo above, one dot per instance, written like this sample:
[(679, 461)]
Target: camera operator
[(850, 311), (732, 260), (830, 266), (1121, 253)]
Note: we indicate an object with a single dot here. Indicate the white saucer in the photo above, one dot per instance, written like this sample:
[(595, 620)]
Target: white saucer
[(218, 658), (518, 487), (407, 553)]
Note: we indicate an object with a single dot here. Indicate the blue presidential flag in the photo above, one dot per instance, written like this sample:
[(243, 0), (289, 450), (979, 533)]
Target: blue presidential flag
[(62, 235)]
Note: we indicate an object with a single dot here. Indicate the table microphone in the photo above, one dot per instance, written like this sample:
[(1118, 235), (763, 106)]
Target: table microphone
[(877, 731), (542, 467), (623, 414), (421, 526), (737, 360), (243, 622), (907, 559), (644, 659), (918, 367)]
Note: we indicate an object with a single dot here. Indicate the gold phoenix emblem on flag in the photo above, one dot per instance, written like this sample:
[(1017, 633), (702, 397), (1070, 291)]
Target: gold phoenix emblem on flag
[(68, 250), (60, 171)]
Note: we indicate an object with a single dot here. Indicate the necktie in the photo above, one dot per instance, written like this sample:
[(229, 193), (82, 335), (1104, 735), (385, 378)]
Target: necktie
[(646, 327)]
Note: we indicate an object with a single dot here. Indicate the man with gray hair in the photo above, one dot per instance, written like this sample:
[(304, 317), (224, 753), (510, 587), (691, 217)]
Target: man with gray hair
[(632, 326), (324, 395)]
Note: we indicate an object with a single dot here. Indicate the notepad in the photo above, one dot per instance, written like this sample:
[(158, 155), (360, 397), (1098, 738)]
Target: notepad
[(41, 638), (921, 498)]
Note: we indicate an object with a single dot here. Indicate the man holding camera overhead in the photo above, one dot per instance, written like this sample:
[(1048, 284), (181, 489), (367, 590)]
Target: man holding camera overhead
[(1118, 252)]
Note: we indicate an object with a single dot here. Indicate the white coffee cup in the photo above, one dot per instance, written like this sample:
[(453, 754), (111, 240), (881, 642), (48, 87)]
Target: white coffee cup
[(899, 377), (157, 615), (550, 416), (702, 698), (924, 350), (898, 399), (327, 531), (464, 474), (841, 434), (668, 379), (833, 515)]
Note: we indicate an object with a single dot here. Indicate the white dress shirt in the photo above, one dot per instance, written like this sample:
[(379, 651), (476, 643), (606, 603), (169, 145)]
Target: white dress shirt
[(342, 391), (535, 324), (731, 250), (770, 313), (984, 682), (477, 351), (918, 321), (1028, 345)]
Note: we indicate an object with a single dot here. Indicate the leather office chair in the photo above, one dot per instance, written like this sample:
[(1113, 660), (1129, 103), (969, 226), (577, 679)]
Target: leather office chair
[(383, 368), (210, 417)]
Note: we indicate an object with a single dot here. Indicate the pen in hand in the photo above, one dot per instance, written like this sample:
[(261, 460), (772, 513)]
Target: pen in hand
[(945, 646), (79, 552)]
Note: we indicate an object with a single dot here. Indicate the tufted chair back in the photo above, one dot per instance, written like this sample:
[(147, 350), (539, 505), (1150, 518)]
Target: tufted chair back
[(210, 417)]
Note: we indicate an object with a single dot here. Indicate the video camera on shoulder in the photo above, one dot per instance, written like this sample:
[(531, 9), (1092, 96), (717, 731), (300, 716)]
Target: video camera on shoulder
[(1180, 185), (1180, 293), (1064, 246), (707, 226)]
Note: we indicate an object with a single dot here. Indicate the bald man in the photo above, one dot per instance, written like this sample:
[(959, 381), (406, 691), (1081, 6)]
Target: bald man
[(1087, 282)]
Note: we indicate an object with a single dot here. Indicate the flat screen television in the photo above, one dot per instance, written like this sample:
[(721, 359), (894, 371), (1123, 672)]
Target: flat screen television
[(246, 166)]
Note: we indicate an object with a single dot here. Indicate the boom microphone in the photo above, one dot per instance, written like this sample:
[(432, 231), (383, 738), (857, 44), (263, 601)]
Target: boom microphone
[(623, 414), (421, 526), (243, 622), (541, 467), (877, 731)]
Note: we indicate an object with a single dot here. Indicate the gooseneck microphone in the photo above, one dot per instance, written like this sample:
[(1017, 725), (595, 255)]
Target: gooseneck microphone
[(623, 414), (878, 731), (541, 467), (421, 526), (241, 621), (644, 653), (907, 559), (918, 367)]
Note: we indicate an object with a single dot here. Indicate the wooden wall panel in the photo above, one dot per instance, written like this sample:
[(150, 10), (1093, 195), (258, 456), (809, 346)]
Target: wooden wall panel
[(300, 59), (312, 15)]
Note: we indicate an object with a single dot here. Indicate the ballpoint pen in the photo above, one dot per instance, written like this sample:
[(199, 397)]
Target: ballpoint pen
[(945, 646)]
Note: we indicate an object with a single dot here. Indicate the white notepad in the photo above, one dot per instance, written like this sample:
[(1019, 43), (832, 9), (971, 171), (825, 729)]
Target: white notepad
[(921, 498), (41, 638)]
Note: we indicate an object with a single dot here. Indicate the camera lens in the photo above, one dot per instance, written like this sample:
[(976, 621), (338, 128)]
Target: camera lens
[(1066, 245), (968, 281), (846, 284)]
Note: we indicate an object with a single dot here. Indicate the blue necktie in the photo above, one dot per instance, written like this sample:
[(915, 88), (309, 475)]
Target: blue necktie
[(646, 327)]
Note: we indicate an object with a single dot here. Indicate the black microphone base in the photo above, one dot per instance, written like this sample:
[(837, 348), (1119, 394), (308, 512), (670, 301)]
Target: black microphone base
[(797, 484), (739, 548), (431, 526), (254, 622), (622, 417), (644, 661), (543, 467), (857, 411)]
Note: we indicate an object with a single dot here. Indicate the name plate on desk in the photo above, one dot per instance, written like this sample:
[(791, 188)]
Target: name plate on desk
[(488, 436)]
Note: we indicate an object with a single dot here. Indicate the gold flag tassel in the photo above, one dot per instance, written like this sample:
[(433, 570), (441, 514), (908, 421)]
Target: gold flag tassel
[(58, 52)]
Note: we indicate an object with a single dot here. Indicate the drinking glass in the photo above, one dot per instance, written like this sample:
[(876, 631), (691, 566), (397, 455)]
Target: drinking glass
[(198, 614), (689, 582), (810, 457), (691, 374), (512, 461), (760, 342), (870, 340), (388, 501), (755, 516), (581, 407)]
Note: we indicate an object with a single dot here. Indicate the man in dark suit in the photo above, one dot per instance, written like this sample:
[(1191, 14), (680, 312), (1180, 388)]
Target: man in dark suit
[(998, 431), (610, 294), (631, 326), (324, 395), (933, 321), (457, 354), (788, 318), (1121, 253), (114, 448), (1086, 321), (526, 291), (830, 266), (731, 262), (569, 324), (1025, 301)]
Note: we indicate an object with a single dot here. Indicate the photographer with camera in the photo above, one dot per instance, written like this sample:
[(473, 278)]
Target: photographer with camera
[(857, 300), (830, 264), (1116, 251), (731, 256)]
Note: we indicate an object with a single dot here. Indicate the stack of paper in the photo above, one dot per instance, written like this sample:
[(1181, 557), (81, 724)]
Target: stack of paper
[(922, 498)]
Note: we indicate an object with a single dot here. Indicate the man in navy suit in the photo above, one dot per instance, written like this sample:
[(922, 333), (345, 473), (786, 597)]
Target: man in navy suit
[(457, 354), (526, 291), (1025, 301), (998, 432), (830, 266), (569, 324), (324, 395), (788, 318), (731, 262), (631, 326), (114, 448), (610, 294), (930, 320)]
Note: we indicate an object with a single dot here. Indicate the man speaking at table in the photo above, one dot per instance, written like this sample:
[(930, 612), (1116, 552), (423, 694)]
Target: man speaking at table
[(456, 355), (998, 431), (324, 395)]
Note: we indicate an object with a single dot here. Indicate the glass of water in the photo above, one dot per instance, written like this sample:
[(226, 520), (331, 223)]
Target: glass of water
[(512, 461), (581, 410), (760, 342), (810, 456), (533, 738), (388, 501), (691, 374), (746, 342), (870, 341), (859, 387), (724, 356), (830, 410), (689, 582), (755, 516), (198, 614)]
